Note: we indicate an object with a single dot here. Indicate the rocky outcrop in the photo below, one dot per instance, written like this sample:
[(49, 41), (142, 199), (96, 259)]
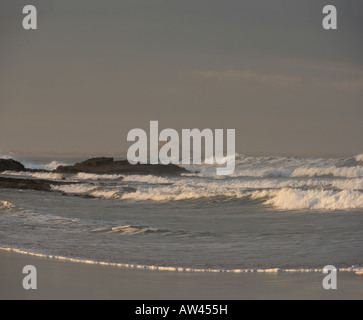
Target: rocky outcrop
[(109, 166), (11, 165), (101, 166), (29, 184), (94, 166)]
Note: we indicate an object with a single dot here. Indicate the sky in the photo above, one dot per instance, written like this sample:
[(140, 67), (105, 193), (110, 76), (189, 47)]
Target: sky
[(93, 70)]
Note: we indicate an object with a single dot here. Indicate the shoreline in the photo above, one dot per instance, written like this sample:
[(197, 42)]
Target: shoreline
[(59, 279), (354, 269)]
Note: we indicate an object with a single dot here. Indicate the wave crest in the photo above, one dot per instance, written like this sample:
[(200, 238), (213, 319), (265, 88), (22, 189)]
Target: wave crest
[(344, 172), (296, 199), (36, 175), (74, 188), (91, 176)]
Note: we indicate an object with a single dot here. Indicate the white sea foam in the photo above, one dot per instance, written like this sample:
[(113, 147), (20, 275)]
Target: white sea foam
[(53, 165), (5, 205), (181, 192), (346, 184), (359, 158), (74, 188), (236, 188), (5, 156), (344, 172), (106, 194), (286, 167), (263, 172), (342, 184), (37, 175), (347, 172), (172, 189), (48, 166), (91, 176), (47, 176), (296, 199), (148, 179), (246, 184), (274, 270), (283, 181)]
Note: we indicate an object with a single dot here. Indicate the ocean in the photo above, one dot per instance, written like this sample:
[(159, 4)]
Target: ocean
[(273, 214)]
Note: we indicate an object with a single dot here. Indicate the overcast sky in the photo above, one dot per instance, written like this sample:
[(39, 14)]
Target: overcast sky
[(96, 69)]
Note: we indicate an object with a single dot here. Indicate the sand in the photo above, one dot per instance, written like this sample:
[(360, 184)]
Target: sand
[(69, 280)]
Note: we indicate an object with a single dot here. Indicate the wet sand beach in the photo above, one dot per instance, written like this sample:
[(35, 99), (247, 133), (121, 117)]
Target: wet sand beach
[(69, 280)]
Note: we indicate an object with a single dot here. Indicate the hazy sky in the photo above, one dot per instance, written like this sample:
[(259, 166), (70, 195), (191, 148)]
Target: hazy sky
[(96, 69)]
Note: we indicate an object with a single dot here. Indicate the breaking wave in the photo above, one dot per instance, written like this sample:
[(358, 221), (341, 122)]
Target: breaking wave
[(287, 198), (178, 193), (148, 179), (333, 171), (34, 166), (48, 166), (288, 183), (37, 175), (296, 199), (290, 193), (344, 172), (91, 176), (74, 188)]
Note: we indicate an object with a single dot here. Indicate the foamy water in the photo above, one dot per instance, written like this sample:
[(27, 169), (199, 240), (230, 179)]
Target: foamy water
[(274, 214), (295, 199), (36, 175), (5, 205)]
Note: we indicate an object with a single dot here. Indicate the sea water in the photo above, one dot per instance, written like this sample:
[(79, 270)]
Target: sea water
[(273, 214)]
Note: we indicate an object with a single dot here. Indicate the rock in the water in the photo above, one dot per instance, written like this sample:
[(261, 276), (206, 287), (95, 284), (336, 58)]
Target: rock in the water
[(96, 162), (109, 166), (10, 165), (29, 184)]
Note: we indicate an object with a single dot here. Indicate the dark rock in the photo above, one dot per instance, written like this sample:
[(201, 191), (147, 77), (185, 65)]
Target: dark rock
[(10, 165), (109, 166), (96, 162), (29, 184)]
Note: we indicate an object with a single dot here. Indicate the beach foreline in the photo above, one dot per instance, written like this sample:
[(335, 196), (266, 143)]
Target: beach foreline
[(357, 269)]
